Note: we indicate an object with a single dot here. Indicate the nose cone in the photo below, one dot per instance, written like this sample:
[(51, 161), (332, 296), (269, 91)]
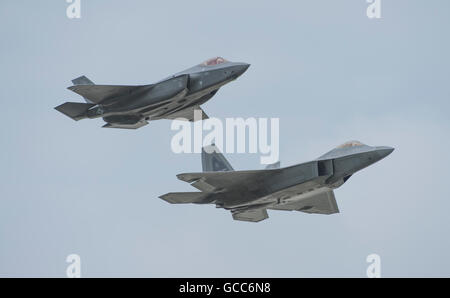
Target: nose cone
[(239, 69), (384, 151), (245, 66)]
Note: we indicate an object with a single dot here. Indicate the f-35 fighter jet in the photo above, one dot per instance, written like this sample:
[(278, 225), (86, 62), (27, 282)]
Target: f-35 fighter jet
[(306, 187), (174, 97)]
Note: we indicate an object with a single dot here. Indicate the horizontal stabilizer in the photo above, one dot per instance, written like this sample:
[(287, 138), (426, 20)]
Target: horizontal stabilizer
[(74, 110), (101, 93), (183, 197)]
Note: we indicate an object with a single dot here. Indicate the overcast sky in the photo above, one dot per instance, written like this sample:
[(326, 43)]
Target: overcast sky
[(327, 71)]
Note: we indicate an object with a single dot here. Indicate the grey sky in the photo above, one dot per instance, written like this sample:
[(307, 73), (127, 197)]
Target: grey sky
[(328, 72)]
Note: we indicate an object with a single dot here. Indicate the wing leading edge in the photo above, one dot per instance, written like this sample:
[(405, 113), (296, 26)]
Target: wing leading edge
[(322, 201), (99, 93)]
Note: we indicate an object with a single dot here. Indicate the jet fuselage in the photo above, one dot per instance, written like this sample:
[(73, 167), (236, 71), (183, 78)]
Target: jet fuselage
[(284, 186), (193, 86), (306, 187), (175, 97)]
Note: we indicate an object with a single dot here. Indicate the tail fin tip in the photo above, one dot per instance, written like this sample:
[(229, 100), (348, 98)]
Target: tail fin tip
[(83, 80)]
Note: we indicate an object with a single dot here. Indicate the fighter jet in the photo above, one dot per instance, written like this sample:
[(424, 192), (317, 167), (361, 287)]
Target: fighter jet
[(171, 98), (306, 187)]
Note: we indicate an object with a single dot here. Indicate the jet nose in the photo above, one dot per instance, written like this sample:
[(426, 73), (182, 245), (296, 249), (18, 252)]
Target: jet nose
[(384, 151), (245, 66), (240, 69)]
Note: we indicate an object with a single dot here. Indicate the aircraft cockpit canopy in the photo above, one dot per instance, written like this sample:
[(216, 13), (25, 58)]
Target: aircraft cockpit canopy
[(214, 61), (350, 144)]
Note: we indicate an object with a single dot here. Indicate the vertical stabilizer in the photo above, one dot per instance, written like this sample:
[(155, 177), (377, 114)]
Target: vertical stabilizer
[(83, 80), (213, 160)]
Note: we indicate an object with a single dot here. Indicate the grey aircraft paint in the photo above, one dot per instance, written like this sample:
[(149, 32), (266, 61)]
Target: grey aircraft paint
[(306, 187), (133, 106)]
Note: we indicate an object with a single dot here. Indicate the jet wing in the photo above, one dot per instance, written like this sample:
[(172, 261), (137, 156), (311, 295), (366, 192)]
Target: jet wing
[(187, 114), (322, 201), (215, 176), (100, 93), (254, 215), (213, 181)]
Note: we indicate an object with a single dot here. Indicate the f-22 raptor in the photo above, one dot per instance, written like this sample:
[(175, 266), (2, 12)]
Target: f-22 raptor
[(171, 98), (306, 187)]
